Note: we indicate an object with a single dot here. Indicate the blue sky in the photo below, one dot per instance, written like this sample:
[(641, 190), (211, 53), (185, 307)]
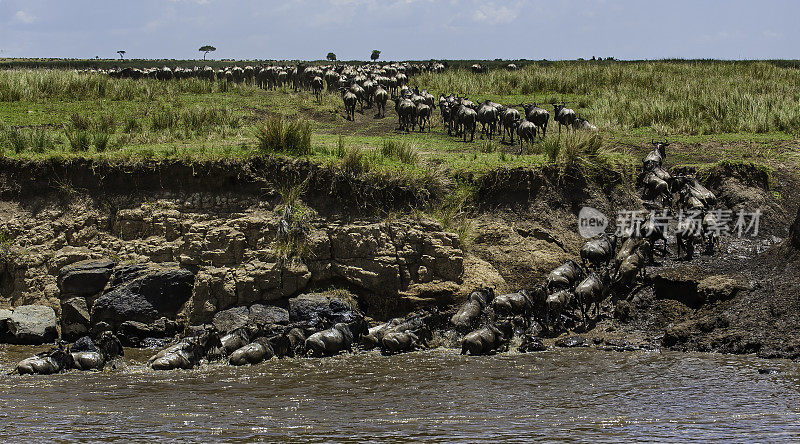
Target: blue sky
[(402, 29)]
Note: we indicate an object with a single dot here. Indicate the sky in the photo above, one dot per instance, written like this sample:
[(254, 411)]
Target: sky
[(402, 29)]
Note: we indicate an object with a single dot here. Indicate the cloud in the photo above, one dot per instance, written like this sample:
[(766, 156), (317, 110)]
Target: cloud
[(494, 15), (24, 17)]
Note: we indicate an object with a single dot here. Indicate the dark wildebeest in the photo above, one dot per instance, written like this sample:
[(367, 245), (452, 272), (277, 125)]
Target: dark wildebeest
[(469, 313), (539, 116), (55, 360), (381, 97), (564, 116), (350, 100), (583, 125), (632, 264), (564, 277), (526, 131), (423, 116), (467, 121), (593, 289), (487, 116), (508, 123), (487, 340), (599, 251), (656, 157), (513, 304), (335, 340), (406, 113), (257, 351)]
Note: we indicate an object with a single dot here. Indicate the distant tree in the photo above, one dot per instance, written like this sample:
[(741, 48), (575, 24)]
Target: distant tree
[(206, 49), (375, 55), (331, 56), (121, 54)]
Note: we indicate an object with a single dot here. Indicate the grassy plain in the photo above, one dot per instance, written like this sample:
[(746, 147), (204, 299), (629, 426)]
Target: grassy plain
[(711, 111)]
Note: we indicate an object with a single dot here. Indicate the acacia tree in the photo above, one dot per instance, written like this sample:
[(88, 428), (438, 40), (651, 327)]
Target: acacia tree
[(121, 54), (206, 49), (331, 56), (375, 55)]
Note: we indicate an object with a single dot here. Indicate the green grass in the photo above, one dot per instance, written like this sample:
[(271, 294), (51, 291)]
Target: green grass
[(740, 111)]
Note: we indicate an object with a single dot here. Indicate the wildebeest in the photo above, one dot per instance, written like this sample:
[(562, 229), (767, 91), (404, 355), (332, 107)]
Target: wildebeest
[(538, 116), (688, 185), (508, 123), (487, 116), (467, 118), (350, 100), (469, 313), (185, 354), (423, 116), (599, 250), (55, 360), (406, 113), (487, 340), (375, 334), (555, 305), (335, 340), (511, 304), (583, 125), (593, 289), (316, 86), (526, 131), (564, 116), (633, 264), (91, 355), (564, 277), (257, 351), (380, 97), (656, 157)]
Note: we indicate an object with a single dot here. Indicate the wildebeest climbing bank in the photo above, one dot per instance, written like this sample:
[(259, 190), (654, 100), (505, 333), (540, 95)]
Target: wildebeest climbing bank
[(180, 218)]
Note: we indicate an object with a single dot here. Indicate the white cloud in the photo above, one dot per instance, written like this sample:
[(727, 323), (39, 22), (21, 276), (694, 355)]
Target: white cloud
[(494, 15), (24, 17)]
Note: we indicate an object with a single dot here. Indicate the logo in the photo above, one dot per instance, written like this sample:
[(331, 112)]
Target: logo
[(591, 222)]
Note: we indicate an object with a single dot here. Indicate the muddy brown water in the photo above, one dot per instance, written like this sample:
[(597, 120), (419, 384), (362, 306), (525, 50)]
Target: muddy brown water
[(436, 395)]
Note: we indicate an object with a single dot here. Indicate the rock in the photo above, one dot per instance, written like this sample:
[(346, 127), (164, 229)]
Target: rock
[(84, 278), (718, 288), (75, 319), (769, 371), (311, 308), (572, 342), (622, 311), (144, 294), (678, 284), (5, 315), (33, 324), (228, 320), (268, 314), (531, 344)]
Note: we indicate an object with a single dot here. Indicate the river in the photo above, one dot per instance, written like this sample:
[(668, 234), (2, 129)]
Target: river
[(580, 395)]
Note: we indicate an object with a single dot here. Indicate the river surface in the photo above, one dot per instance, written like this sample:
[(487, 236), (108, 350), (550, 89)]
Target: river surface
[(435, 396)]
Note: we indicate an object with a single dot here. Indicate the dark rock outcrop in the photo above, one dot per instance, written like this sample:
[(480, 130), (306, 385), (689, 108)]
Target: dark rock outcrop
[(143, 294), (228, 320), (84, 278), (75, 319)]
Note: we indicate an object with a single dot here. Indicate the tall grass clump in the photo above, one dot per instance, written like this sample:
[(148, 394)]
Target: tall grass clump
[(278, 135), (79, 140), (402, 151), (164, 117)]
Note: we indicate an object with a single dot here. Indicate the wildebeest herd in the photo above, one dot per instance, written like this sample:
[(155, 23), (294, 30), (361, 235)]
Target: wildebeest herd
[(610, 266)]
